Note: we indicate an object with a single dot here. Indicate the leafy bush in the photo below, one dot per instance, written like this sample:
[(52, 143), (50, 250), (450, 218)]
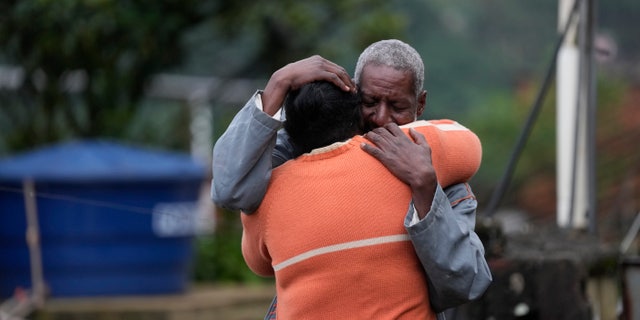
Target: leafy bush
[(219, 256)]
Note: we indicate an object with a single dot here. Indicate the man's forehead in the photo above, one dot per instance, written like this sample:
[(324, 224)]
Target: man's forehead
[(398, 90), (381, 76), (374, 69)]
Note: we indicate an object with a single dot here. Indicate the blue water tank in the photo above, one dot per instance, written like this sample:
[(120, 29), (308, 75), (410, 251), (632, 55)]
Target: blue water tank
[(114, 219)]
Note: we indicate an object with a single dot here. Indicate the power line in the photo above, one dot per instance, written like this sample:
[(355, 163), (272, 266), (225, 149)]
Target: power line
[(90, 202)]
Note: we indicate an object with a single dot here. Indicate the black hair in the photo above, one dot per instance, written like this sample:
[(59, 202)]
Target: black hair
[(319, 114)]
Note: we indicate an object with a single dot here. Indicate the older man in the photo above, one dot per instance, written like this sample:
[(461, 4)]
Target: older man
[(390, 76), (330, 225)]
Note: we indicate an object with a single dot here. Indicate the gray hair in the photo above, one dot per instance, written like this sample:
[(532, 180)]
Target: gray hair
[(396, 54)]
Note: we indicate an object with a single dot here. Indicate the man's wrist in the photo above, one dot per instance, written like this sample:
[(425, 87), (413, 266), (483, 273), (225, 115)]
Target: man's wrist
[(423, 197), (274, 93), (258, 103)]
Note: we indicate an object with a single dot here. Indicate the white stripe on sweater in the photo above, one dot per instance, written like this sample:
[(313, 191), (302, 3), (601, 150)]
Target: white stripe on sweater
[(340, 247), (454, 126)]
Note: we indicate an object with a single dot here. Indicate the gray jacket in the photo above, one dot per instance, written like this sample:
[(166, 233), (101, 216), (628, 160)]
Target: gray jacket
[(450, 251)]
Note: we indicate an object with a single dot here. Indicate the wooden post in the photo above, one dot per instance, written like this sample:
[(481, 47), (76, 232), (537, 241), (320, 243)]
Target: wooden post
[(33, 242)]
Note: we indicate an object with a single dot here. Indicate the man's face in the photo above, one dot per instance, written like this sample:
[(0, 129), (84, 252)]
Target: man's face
[(388, 96)]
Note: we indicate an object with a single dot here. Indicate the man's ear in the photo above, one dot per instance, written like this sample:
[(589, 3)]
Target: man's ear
[(422, 102)]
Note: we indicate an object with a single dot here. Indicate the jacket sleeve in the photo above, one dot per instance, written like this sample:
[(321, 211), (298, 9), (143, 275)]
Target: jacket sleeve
[(450, 251), (244, 156)]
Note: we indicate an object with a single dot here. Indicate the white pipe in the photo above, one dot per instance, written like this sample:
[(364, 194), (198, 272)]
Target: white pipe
[(566, 100), (570, 144)]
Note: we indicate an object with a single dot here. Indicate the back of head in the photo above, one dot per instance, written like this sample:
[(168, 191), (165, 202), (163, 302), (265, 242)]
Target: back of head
[(319, 114), (392, 53)]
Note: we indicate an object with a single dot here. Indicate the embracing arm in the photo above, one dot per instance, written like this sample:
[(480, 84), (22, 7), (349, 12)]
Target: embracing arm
[(242, 159), (441, 226), (247, 151), (449, 249)]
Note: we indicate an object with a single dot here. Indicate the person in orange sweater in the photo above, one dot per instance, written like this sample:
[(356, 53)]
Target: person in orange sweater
[(389, 74), (330, 227)]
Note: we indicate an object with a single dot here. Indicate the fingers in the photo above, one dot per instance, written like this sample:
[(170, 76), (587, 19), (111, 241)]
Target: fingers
[(394, 129), (389, 133), (420, 140), (315, 68), (381, 137), (391, 136), (373, 151), (381, 143), (296, 74), (339, 76), (418, 137)]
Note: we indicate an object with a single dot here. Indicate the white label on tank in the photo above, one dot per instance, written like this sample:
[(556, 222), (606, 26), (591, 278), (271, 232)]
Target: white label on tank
[(179, 219)]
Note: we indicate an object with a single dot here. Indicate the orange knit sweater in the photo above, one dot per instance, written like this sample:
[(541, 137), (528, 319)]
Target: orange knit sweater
[(331, 230)]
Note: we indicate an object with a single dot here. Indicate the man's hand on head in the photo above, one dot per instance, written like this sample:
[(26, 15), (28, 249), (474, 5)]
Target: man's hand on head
[(317, 68), (296, 74), (409, 159)]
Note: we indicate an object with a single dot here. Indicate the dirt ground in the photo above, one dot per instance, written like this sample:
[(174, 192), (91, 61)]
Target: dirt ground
[(209, 302)]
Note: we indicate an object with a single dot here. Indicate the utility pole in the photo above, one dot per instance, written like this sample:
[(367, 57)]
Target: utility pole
[(575, 110)]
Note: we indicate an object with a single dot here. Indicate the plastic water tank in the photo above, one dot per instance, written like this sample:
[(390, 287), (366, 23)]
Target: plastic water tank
[(114, 219)]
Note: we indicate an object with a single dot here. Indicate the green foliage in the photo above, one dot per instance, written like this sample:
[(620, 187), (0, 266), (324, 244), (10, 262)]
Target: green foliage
[(219, 256), (473, 50), (288, 30), (108, 47), (159, 123), (497, 136), (498, 122)]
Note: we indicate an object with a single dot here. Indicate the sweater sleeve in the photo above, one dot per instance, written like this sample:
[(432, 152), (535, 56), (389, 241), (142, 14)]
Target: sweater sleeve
[(456, 152), (254, 249)]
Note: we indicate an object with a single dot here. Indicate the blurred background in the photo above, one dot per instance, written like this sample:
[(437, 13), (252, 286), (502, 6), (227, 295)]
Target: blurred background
[(170, 75)]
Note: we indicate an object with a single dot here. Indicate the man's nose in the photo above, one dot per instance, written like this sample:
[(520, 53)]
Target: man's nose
[(381, 116)]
